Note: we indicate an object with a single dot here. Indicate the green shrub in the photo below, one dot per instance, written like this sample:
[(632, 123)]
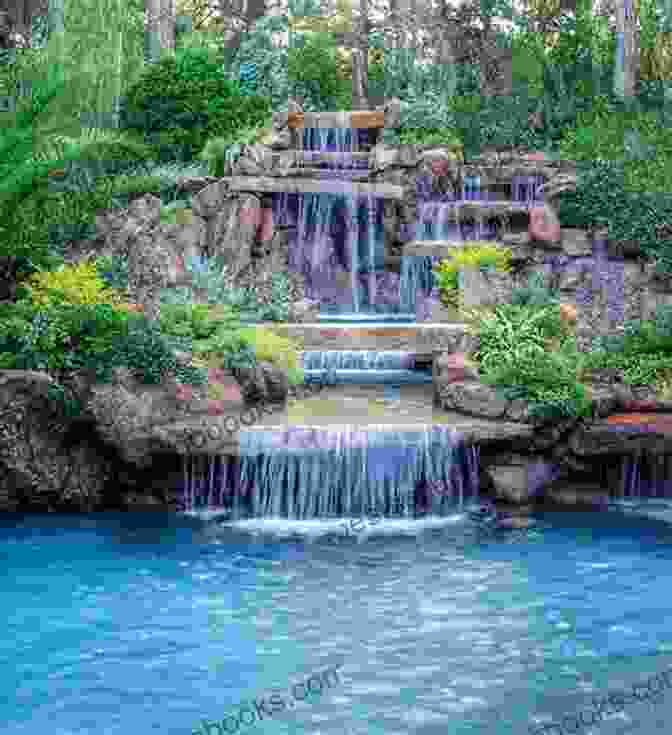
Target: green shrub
[(72, 284), (114, 271), (313, 65), (271, 347), (429, 136), (144, 350), (64, 336), (181, 101), (527, 352), (601, 200), (483, 255), (635, 138), (535, 293)]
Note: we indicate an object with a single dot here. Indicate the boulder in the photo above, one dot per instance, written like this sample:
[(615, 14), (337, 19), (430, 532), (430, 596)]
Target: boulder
[(544, 225), (45, 464), (233, 230), (264, 383)]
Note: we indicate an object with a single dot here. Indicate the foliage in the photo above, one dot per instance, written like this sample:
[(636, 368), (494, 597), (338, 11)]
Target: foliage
[(145, 350), (181, 101), (197, 321), (257, 48), (220, 151), (643, 352), (529, 352), (483, 255), (601, 200), (428, 136), (312, 65), (73, 284), (635, 137), (535, 293), (62, 336), (271, 347)]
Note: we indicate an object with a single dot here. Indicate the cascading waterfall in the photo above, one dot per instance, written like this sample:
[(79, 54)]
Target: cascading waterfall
[(364, 368), (646, 476), (525, 189), (304, 473), (358, 360)]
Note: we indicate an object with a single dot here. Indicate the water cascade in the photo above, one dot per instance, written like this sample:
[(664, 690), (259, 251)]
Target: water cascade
[(308, 473), (365, 367), (644, 477)]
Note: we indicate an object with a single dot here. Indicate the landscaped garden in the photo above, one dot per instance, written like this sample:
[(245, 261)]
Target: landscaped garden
[(189, 113)]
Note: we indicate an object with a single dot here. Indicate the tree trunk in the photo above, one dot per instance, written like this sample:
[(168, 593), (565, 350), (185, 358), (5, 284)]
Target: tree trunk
[(627, 51), (360, 55), (167, 26), (152, 37), (57, 27)]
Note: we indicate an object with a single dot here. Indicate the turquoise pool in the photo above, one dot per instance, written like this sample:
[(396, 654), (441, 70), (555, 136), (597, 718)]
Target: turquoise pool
[(139, 623)]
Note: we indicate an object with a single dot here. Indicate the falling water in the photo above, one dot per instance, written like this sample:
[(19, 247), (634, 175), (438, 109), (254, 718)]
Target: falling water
[(358, 360), (305, 473), (525, 189), (648, 475), (365, 368)]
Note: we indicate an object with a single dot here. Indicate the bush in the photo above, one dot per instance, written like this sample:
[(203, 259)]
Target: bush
[(72, 284), (643, 352), (313, 65), (114, 271), (428, 136), (634, 137), (181, 101), (528, 353), (601, 200), (271, 347), (62, 336), (535, 293), (483, 255)]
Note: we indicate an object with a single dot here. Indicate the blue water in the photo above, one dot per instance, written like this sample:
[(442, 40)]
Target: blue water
[(138, 623)]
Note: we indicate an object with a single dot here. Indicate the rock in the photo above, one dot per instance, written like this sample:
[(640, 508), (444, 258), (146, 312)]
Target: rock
[(474, 399), (392, 110), (544, 225), (264, 383), (140, 419), (520, 478), (234, 230), (44, 463), (577, 494), (454, 367)]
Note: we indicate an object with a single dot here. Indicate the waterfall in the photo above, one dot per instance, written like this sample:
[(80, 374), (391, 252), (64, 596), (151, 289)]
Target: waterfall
[(525, 189), (303, 473), (358, 360), (648, 475)]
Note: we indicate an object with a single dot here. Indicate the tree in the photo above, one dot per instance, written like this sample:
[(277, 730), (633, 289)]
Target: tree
[(159, 29)]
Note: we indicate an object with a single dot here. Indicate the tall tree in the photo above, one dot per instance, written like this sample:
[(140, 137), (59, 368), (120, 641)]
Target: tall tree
[(159, 29), (627, 51), (360, 55)]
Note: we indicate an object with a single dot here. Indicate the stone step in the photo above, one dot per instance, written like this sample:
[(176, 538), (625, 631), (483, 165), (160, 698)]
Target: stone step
[(419, 338), (432, 248), (306, 186), (355, 119), (475, 210), (314, 156), (351, 174)]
